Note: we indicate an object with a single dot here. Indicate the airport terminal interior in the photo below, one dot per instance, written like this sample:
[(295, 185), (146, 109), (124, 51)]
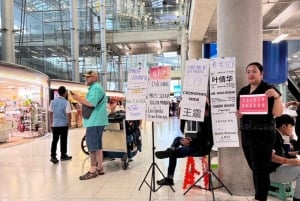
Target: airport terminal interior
[(28, 175), (49, 43)]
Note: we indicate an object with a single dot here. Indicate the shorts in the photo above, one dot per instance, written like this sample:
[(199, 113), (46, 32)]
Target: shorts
[(94, 137)]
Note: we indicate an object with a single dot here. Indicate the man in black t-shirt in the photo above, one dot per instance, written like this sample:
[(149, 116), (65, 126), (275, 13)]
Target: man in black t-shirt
[(198, 145), (285, 166)]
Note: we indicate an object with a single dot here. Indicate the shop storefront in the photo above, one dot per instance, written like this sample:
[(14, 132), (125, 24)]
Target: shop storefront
[(23, 102)]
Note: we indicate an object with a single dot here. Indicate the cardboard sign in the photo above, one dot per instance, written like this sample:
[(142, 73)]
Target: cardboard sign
[(254, 104)]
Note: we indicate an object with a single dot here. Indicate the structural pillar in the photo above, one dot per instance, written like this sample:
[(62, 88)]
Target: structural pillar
[(183, 51), (8, 42), (103, 44), (120, 71), (195, 50), (74, 42), (240, 36)]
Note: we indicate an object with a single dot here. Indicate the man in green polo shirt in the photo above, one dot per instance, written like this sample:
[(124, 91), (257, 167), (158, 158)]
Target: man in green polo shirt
[(95, 123)]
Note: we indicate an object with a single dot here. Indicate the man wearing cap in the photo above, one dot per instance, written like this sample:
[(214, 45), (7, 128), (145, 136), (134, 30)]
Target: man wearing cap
[(60, 120), (95, 123), (285, 166)]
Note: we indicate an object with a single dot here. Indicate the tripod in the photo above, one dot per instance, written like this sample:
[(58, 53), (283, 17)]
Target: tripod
[(210, 188), (152, 167)]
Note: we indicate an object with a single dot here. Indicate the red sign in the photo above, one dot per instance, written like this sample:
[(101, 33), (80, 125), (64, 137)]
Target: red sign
[(254, 104)]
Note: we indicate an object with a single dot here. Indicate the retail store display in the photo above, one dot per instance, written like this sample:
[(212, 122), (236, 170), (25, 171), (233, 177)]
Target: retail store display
[(4, 130), (25, 120), (32, 120)]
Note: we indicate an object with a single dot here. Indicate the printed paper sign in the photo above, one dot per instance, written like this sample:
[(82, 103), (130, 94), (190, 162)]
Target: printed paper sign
[(223, 102), (254, 104)]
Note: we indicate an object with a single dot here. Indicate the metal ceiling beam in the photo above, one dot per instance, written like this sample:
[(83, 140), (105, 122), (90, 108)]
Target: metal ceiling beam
[(275, 11)]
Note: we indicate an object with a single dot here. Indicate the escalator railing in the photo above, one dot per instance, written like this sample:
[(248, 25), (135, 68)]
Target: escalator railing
[(293, 88)]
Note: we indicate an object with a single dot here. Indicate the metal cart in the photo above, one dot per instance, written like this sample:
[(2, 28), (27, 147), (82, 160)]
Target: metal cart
[(121, 139)]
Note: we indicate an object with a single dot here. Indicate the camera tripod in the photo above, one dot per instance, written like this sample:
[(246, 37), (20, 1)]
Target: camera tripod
[(152, 167)]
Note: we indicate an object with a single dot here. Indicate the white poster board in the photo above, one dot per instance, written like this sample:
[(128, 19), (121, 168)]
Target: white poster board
[(194, 92), (136, 93), (223, 102)]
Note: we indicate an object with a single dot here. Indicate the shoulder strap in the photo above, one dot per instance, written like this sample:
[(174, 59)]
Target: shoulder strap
[(100, 100)]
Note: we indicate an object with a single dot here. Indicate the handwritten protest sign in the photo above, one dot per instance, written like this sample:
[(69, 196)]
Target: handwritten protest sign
[(158, 94), (194, 90), (136, 93)]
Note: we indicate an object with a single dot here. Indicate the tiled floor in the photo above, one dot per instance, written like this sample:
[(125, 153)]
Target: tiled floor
[(27, 175)]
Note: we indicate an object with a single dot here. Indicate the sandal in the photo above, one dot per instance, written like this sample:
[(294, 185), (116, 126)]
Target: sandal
[(100, 171), (88, 175)]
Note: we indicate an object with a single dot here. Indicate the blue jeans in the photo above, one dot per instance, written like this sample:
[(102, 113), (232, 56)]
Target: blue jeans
[(181, 152)]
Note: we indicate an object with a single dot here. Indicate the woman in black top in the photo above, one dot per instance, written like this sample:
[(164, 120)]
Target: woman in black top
[(258, 131)]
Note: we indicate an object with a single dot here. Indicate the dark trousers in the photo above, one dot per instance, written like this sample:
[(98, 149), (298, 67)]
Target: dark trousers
[(257, 147), (62, 134), (182, 125), (181, 152)]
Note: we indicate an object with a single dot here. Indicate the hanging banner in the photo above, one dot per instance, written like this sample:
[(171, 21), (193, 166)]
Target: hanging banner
[(136, 93), (158, 94), (223, 102), (194, 92)]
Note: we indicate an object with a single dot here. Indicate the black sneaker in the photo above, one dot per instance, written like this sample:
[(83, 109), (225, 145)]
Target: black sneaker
[(54, 160), (65, 158), (164, 154), (165, 182)]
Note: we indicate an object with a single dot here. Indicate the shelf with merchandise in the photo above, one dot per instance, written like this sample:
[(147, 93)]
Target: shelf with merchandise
[(33, 119), (5, 127)]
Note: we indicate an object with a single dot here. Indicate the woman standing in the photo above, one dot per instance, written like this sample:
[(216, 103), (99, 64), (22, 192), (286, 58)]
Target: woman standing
[(258, 131)]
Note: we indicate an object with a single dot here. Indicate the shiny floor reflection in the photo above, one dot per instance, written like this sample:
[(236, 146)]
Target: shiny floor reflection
[(27, 174)]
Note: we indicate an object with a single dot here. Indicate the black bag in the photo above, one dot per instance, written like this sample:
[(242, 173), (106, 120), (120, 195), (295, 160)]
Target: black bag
[(87, 111)]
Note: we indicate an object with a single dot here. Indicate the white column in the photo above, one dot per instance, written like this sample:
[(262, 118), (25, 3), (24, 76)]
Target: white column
[(74, 42), (8, 42), (240, 36), (120, 71), (183, 51), (103, 44), (195, 50)]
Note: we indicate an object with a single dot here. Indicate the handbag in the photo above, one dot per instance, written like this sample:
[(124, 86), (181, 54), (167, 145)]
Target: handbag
[(87, 110)]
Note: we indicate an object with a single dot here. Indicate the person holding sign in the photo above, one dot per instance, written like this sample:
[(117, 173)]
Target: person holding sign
[(198, 145), (257, 104)]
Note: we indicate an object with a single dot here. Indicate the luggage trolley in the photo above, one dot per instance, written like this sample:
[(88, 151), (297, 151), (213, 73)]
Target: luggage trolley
[(121, 139)]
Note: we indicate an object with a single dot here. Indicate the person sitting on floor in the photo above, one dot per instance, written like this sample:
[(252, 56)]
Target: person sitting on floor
[(182, 147), (285, 166)]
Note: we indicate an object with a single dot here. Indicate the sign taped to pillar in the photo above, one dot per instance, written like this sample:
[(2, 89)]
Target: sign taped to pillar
[(223, 102), (158, 94), (136, 93), (194, 91)]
